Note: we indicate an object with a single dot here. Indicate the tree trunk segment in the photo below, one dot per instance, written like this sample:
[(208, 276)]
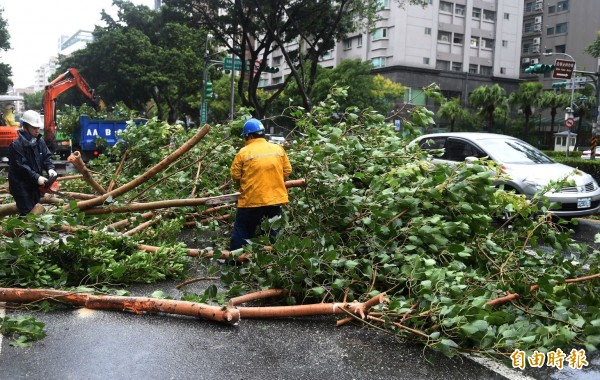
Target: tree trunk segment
[(228, 314), (77, 161), (148, 174)]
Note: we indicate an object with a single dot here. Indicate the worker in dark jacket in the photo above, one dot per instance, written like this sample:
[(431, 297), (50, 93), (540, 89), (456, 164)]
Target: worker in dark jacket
[(28, 157), (261, 168)]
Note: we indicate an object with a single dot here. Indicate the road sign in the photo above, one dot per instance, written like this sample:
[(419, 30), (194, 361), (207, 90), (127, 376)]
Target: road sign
[(237, 65), (203, 113), (563, 69), (569, 122)]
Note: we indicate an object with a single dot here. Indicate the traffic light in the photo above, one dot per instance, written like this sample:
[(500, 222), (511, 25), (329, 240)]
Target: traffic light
[(208, 90), (539, 68), (270, 69)]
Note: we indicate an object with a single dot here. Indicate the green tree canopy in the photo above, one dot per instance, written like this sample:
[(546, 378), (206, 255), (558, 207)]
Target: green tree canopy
[(489, 100), (525, 99), (144, 56), (5, 69), (302, 31)]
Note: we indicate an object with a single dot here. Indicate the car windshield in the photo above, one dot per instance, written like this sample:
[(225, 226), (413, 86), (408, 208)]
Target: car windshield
[(510, 151)]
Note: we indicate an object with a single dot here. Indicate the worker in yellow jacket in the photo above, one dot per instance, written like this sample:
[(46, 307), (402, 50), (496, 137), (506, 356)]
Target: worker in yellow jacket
[(261, 168), (9, 116)]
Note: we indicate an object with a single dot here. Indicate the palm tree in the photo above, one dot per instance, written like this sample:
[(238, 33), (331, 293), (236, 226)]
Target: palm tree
[(451, 110), (525, 99), (487, 99), (552, 101)]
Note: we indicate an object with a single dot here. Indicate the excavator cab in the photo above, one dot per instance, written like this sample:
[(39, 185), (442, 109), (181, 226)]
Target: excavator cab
[(8, 133)]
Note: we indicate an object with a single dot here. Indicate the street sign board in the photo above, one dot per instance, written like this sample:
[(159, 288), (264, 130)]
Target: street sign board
[(563, 69), (237, 65), (203, 113), (569, 122)]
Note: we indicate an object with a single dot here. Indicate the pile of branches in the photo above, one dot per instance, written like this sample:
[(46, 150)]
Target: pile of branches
[(419, 246)]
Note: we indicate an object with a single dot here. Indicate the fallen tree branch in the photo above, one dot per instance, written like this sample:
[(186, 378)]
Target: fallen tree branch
[(75, 159), (149, 173), (137, 305), (133, 207), (512, 296)]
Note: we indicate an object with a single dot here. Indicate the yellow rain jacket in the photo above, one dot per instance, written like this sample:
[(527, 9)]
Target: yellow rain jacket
[(261, 168), (9, 117)]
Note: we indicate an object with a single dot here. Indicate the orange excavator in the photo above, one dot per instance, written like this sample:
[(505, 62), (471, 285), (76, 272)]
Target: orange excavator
[(65, 81)]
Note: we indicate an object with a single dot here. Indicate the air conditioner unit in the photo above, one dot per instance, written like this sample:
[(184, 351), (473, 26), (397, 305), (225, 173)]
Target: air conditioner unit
[(525, 60), (537, 28), (538, 19), (535, 49), (539, 7), (535, 61), (537, 41)]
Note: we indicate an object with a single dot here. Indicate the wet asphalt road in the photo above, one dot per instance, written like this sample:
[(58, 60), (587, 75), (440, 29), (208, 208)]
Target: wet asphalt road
[(93, 344)]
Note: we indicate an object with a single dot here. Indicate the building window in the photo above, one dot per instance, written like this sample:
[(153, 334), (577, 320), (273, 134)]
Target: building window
[(476, 13), (442, 65), (507, 16), (489, 15), (263, 82), (277, 80), (459, 10), (550, 31), (383, 4), (561, 28), (445, 7), (277, 61), (425, 61), (552, 9), (378, 62), (504, 43), (503, 70), (548, 51), (458, 39), (456, 66), (474, 42), (415, 96), (561, 48), (348, 43), (487, 43), (562, 6), (472, 69), (443, 36), (359, 41), (485, 70), (327, 55), (379, 34), (428, 31)]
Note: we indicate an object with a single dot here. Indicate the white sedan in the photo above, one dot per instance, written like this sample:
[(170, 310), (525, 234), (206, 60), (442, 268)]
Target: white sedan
[(528, 169)]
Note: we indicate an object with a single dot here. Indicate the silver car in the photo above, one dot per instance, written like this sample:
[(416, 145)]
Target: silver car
[(528, 169)]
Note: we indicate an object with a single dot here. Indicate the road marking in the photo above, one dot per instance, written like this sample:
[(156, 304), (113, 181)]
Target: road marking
[(499, 368)]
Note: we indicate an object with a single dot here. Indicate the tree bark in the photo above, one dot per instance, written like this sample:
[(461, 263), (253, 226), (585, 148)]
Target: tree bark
[(77, 161)]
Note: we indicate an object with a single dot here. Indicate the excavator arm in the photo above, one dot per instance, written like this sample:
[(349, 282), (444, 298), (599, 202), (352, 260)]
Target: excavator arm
[(70, 78)]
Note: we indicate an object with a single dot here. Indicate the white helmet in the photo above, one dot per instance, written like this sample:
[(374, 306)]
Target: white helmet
[(32, 118)]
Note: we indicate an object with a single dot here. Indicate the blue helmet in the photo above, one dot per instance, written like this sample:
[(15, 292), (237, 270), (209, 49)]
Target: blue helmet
[(253, 126)]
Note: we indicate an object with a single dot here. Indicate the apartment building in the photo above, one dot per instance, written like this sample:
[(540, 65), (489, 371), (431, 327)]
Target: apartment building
[(559, 29), (458, 44)]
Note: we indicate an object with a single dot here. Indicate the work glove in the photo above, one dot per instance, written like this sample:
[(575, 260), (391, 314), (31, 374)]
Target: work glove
[(42, 180), (52, 173)]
